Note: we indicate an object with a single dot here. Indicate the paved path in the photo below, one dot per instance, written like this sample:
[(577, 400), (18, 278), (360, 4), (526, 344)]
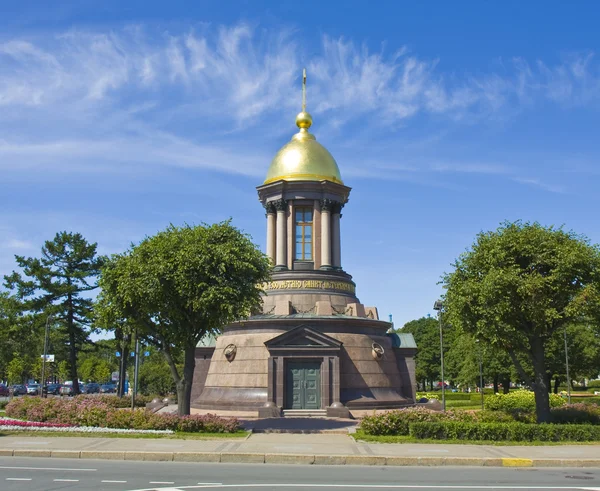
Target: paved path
[(299, 448)]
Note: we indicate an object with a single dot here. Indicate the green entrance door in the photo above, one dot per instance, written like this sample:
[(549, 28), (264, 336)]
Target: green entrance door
[(303, 385)]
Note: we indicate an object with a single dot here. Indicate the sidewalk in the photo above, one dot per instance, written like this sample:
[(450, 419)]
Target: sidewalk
[(285, 448)]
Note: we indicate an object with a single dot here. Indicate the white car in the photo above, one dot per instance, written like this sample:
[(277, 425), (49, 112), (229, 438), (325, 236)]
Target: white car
[(33, 389)]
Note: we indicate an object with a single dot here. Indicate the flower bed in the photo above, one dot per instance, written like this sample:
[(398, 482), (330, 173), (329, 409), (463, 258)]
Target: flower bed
[(10, 424), (96, 413)]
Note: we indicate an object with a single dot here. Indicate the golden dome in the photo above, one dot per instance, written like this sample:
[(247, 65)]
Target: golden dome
[(303, 158)]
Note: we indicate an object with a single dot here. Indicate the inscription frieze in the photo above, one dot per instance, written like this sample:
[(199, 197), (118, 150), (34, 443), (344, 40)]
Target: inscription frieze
[(309, 285)]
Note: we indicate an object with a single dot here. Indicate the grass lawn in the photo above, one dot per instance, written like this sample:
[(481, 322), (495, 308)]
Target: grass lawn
[(174, 436), (359, 435), (2, 412)]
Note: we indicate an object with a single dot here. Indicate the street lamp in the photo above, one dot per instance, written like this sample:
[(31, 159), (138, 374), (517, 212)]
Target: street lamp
[(480, 371), (438, 306), (567, 364), (45, 354)]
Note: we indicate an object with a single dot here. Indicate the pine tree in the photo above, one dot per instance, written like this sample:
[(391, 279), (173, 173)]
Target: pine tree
[(54, 285)]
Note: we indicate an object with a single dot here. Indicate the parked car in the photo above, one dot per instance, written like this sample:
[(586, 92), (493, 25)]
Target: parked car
[(108, 389), (53, 389), (33, 389), (19, 390), (66, 390), (91, 388), (4, 390)]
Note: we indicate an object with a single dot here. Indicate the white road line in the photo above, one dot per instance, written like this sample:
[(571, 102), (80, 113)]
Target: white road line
[(161, 482), (47, 469), (18, 479), (66, 480), (379, 486), (114, 482)]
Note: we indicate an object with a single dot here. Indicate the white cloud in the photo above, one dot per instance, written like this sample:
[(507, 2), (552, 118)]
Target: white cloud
[(97, 101)]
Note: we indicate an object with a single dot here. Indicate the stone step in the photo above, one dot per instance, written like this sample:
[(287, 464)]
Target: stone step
[(304, 413)]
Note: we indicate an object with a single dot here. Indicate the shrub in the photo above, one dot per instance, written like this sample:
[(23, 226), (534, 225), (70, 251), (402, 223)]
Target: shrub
[(518, 400), (397, 422), (98, 412), (3, 404), (593, 384), (576, 414), (458, 430)]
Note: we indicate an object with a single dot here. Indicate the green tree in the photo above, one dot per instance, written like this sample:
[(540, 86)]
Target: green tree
[(54, 284), (519, 285), (426, 332), (180, 285)]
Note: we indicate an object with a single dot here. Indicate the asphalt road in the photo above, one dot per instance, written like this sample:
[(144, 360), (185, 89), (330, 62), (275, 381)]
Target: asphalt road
[(33, 474)]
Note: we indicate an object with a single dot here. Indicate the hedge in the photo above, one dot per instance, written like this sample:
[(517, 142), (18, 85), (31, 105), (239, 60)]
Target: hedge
[(517, 432)]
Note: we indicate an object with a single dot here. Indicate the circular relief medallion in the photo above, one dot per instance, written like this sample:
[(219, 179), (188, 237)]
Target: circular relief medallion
[(229, 351), (377, 351)]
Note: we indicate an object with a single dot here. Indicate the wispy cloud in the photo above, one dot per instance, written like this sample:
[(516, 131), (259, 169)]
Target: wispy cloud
[(99, 101)]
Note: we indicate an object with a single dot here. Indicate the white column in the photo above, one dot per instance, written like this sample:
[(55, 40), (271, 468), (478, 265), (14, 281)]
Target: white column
[(281, 240), (325, 234), (271, 232), (335, 232)]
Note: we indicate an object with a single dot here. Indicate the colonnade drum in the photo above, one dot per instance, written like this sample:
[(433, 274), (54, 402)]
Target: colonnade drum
[(314, 347)]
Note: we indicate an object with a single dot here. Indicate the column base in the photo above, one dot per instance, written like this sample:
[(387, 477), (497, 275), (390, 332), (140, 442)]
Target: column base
[(326, 267), (269, 410), (280, 267), (338, 410)]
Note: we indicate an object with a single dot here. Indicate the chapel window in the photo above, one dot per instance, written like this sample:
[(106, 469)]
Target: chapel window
[(304, 233)]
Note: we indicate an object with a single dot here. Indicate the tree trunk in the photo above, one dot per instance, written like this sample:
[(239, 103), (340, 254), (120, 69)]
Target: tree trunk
[(549, 382), (496, 380), (184, 386), (506, 385), (556, 384), (72, 347), (540, 388)]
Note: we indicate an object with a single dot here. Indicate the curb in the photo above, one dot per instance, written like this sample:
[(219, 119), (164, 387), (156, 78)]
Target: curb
[(305, 459)]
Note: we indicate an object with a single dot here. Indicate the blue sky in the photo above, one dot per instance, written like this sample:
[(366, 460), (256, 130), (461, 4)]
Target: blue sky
[(118, 118)]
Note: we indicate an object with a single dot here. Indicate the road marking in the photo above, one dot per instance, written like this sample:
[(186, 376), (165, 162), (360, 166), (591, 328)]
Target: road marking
[(114, 482), (376, 486), (18, 479), (161, 482), (66, 480), (46, 469)]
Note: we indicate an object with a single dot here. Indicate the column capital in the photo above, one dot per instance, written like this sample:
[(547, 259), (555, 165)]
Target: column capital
[(269, 207), (327, 204), (280, 205), (331, 205)]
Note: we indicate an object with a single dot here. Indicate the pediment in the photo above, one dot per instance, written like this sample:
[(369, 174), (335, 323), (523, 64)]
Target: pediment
[(303, 337)]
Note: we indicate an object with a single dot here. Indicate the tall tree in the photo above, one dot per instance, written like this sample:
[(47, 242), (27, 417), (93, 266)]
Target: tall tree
[(55, 285), (182, 284), (517, 286), (427, 337)]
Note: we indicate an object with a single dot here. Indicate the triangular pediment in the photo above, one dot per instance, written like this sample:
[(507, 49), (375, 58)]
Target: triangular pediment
[(303, 337)]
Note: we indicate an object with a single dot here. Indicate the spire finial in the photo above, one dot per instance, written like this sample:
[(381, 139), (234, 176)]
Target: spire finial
[(304, 120), (304, 90)]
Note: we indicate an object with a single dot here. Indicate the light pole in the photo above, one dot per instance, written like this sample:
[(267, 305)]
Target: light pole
[(567, 364), (45, 354), (480, 371), (438, 306)]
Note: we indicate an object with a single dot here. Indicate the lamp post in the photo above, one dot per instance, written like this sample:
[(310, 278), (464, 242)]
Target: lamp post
[(438, 306), (45, 354), (480, 371), (567, 365)]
